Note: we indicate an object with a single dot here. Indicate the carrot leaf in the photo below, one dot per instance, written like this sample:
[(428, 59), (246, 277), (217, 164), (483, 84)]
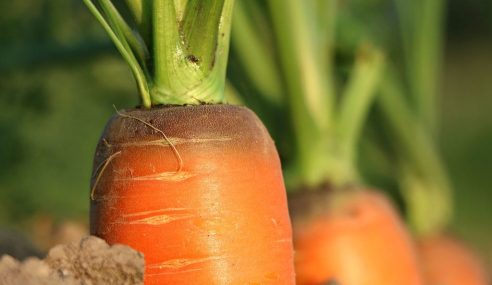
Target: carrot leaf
[(356, 101), (120, 43), (423, 179), (142, 15), (255, 54), (178, 50)]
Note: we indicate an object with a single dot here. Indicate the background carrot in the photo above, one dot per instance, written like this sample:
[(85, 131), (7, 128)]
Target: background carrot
[(194, 185), (446, 260), (352, 241), (292, 45)]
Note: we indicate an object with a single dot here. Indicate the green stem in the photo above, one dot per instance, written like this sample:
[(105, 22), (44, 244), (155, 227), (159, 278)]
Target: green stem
[(142, 14), (189, 52), (253, 52), (327, 16), (130, 38), (422, 44), (180, 8), (255, 71), (424, 182), (354, 106), (190, 59), (428, 200), (136, 7), (304, 74), (223, 42), (325, 139), (200, 18), (167, 49), (123, 47), (310, 102), (327, 11)]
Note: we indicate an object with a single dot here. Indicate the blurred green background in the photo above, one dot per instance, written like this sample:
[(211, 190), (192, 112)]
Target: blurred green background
[(60, 77)]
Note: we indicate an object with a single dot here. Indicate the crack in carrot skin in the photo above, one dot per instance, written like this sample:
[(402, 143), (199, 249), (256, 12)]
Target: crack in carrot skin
[(161, 176), (170, 141), (160, 219), (288, 240), (182, 262), (143, 213)]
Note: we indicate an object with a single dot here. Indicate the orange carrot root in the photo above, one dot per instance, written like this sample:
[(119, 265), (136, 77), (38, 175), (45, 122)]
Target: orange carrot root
[(448, 261), (357, 239), (221, 219)]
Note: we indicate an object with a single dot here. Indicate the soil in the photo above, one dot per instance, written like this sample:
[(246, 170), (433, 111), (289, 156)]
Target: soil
[(89, 261)]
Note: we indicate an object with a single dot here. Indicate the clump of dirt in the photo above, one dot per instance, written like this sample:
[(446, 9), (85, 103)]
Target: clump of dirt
[(90, 261)]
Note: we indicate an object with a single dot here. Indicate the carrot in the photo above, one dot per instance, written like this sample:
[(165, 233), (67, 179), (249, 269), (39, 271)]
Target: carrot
[(220, 218), (446, 260), (355, 239), (192, 183), (346, 240)]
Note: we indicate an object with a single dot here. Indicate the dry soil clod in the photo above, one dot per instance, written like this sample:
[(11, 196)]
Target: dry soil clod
[(88, 261)]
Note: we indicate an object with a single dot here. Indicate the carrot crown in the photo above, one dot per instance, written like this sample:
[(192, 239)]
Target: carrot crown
[(177, 49), (285, 48)]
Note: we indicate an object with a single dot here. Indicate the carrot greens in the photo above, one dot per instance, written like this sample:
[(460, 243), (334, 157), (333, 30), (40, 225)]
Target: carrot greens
[(421, 174), (422, 46), (408, 103), (325, 120), (177, 50)]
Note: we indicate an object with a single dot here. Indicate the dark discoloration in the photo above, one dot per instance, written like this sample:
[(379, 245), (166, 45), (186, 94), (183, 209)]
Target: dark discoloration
[(307, 204), (331, 282), (241, 125), (193, 58), (88, 261), (213, 58)]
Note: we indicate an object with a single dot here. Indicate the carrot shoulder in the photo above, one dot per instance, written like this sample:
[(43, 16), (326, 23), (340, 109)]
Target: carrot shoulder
[(198, 190)]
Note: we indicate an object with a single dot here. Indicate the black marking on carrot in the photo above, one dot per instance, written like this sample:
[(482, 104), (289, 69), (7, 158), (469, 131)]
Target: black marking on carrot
[(199, 100)]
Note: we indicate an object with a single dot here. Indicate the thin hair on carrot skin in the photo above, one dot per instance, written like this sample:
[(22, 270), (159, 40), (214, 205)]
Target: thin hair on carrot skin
[(106, 143), (176, 153), (100, 170)]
